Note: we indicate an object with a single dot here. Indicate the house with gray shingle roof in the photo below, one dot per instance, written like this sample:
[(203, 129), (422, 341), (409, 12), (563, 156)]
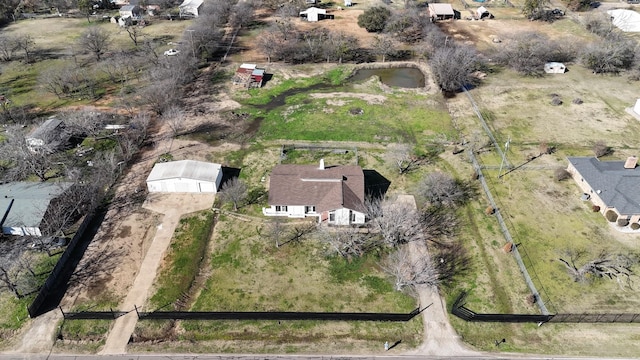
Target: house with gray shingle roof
[(333, 194), (611, 185)]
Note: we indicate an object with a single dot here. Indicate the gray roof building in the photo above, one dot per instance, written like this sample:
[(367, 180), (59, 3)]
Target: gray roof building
[(23, 205), (616, 183), (50, 135)]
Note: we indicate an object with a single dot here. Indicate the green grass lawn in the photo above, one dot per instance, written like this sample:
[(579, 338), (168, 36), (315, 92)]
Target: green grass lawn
[(248, 273)]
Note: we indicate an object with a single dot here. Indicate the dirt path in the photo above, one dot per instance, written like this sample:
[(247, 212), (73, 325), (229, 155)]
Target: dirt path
[(439, 337), (173, 206)]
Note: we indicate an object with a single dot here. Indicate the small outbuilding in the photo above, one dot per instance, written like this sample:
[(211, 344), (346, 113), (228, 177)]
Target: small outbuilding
[(315, 14), (636, 108), (190, 8), (554, 68), (49, 137), (131, 11), (441, 11), (249, 76), (482, 13), (348, 3), (185, 176)]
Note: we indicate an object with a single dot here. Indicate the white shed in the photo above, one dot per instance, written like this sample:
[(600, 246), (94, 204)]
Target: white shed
[(554, 68), (185, 176), (348, 3), (190, 8), (636, 108), (313, 14)]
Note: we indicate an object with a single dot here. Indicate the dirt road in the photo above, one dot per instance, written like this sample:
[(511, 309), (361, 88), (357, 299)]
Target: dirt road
[(173, 206), (439, 337)]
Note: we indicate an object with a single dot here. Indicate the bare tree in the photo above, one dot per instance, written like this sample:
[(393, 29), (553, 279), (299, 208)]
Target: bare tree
[(441, 189), (453, 67), (383, 45), (8, 47), (348, 241), (95, 40), (340, 46), (174, 117), (267, 41), (527, 52), (27, 45), (275, 230), (234, 191), (69, 81), (605, 264), (397, 222), (242, 13), (600, 148), (410, 270), (610, 55), (135, 33), (403, 157), (24, 161)]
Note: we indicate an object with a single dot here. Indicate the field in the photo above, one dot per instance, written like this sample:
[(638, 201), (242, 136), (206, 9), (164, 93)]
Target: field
[(316, 105)]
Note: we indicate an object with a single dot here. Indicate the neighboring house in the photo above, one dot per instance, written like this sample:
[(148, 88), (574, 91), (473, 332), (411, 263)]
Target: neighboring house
[(611, 185), (334, 194), (190, 8), (348, 3), (315, 14), (554, 68), (131, 11), (439, 11), (185, 176), (249, 76), (24, 205), (50, 136)]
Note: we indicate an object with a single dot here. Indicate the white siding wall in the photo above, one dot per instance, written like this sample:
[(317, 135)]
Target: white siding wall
[(181, 185), (21, 231)]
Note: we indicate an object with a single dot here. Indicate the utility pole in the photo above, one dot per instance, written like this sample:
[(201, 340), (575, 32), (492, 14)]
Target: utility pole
[(504, 156)]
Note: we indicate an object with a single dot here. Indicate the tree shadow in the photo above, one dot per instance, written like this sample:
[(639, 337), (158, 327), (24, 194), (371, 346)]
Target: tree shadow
[(375, 185), (229, 173)]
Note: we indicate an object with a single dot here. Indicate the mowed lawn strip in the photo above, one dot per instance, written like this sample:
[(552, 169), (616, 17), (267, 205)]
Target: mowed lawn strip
[(182, 261)]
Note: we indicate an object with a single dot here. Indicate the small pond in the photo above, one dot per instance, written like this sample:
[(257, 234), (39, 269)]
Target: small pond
[(405, 77)]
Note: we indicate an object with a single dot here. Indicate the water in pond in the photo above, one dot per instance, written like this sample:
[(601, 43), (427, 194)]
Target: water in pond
[(405, 77)]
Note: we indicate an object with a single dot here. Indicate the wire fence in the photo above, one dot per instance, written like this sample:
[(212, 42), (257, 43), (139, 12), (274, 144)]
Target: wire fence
[(239, 315), (521, 256), (458, 309)]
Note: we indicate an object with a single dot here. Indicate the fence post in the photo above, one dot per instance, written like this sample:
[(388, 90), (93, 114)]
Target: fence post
[(137, 313), (64, 316)]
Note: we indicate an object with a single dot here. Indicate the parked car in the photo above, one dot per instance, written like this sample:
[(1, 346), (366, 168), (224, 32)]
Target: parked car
[(171, 52)]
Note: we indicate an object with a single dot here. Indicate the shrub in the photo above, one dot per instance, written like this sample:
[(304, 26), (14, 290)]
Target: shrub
[(528, 52), (611, 216), (561, 174), (601, 149), (374, 19), (635, 226), (489, 210), (609, 55), (595, 208), (623, 222)]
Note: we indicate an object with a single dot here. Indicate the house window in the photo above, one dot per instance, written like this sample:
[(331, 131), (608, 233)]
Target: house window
[(332, 217), (352, 216), (309, 209), (280, 208)]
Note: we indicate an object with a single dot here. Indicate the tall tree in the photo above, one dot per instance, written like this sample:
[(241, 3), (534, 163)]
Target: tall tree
[(410, 270), (96, 41), (374, 19)]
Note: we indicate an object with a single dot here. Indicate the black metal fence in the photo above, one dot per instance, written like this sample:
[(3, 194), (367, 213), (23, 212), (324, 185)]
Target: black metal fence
[(250, 315), (61, 270), (458, 309)]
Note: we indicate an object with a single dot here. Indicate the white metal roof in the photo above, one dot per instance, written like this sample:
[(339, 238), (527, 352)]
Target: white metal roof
[(441, 9), (187, 169)]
